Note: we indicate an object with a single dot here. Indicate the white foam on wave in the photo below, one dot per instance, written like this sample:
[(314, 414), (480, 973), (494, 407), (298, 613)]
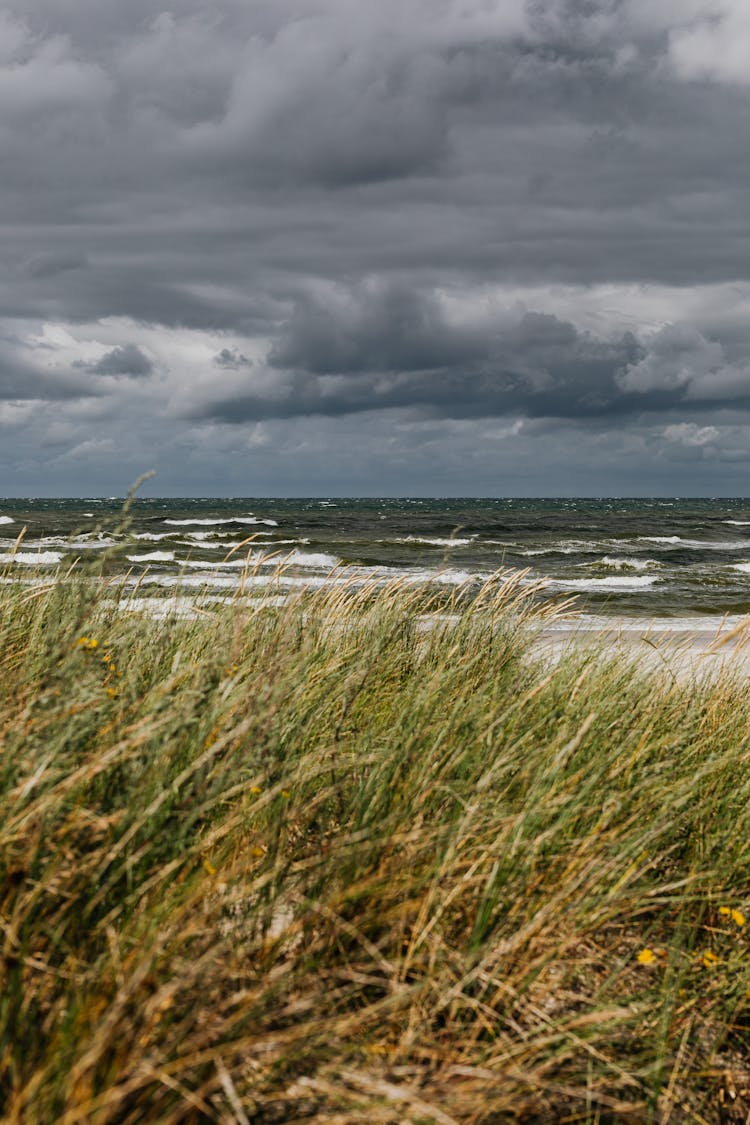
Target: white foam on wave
[(564, 547), (203, 536), (698, 544), (189, 606), (633, 583), (6, 519), (625, 563), (227, 564), (84, 543), (738, 523), (429, 541), (446, 577), (211, 580), (217, 523), (743, 567), (152, 556), (29, 558), (153, 537), (315, 560)]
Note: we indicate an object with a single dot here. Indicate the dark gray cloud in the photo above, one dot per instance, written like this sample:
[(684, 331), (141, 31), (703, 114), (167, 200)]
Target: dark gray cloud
[(232, 358), (325, 214), (392, 348), (24, 377), (126, 360)]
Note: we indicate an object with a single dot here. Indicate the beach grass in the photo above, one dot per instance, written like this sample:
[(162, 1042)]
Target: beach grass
[(360, 858)]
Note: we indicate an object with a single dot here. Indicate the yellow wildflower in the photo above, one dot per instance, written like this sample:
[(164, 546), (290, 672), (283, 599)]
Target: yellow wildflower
[(87, 643), (255, 790), (209, 867), (285, 793), (736, 915), (646, 957), (111, 693), (709, 959)]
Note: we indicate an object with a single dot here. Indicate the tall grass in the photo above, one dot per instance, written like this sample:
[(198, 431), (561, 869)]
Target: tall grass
[(353, 859)]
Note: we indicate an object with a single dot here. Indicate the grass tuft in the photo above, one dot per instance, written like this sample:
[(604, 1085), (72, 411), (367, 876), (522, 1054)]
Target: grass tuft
[(357, 857)]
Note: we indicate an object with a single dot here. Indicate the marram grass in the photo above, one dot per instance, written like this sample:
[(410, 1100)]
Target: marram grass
[(356, 860)]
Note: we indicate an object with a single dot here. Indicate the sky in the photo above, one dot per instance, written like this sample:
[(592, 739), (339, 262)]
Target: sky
[(367, 247)]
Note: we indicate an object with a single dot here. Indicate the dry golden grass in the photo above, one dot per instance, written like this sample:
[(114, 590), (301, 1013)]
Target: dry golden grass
[(323, 863)]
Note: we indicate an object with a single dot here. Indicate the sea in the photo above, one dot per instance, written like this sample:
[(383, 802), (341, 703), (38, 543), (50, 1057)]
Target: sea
[(680, 559)]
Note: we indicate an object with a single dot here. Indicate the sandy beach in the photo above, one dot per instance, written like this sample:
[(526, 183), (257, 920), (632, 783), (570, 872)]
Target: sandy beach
[(686, 648)]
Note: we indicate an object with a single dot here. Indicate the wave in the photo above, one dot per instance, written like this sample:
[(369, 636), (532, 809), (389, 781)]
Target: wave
[(152, 556), (565, 547), (216, 523), (153, 537), (697, 544), (633, 583), (6, 519), (279, 559), (227, 564), (29, 558), (738, 523), (84, 543), (445, 577), (625, 563), (432, 542), (743, 567), (188, 605), (202, 536), (313, 559)]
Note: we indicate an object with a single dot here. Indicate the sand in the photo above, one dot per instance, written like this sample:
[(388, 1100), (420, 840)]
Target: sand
[(684, 649)]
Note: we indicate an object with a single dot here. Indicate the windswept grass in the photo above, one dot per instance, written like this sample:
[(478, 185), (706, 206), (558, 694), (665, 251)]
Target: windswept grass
[(337, 862)]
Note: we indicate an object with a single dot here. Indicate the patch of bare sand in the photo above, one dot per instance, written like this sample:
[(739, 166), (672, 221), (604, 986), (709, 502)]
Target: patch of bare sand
[(684, 649)]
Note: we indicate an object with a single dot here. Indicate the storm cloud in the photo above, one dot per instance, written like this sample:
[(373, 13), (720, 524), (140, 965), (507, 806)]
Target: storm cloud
[(125, 360), (364, 246)]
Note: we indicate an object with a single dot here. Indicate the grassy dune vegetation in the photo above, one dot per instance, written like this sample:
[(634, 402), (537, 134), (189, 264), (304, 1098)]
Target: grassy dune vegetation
[(321, 863)]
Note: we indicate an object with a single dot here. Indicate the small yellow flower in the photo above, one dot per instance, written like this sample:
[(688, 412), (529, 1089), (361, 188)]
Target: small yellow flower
[(255, 790), (258, 852), (736, 915), (209, 867), (110, 691), (646, 957), (82, 641), (93, 643), (709, 959), (285, 794)]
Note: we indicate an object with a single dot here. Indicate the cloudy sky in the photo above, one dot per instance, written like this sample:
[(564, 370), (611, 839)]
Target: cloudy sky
[(443, 247)]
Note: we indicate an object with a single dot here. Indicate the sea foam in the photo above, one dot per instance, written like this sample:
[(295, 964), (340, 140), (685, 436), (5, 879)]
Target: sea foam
[(152, 556), (433, 542), (29, 558), (216, 523), (593, 584)]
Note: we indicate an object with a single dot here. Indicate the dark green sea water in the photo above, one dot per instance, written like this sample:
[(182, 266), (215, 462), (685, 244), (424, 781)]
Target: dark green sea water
[(645, 558)]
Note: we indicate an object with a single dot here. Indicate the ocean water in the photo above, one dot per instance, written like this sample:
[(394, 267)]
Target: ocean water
[(636, 558)]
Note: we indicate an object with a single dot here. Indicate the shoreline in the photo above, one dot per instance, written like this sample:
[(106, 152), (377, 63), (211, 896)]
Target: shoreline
[(685, 647)]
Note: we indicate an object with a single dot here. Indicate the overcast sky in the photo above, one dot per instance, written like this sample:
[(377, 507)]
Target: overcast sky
[(443, 247)]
